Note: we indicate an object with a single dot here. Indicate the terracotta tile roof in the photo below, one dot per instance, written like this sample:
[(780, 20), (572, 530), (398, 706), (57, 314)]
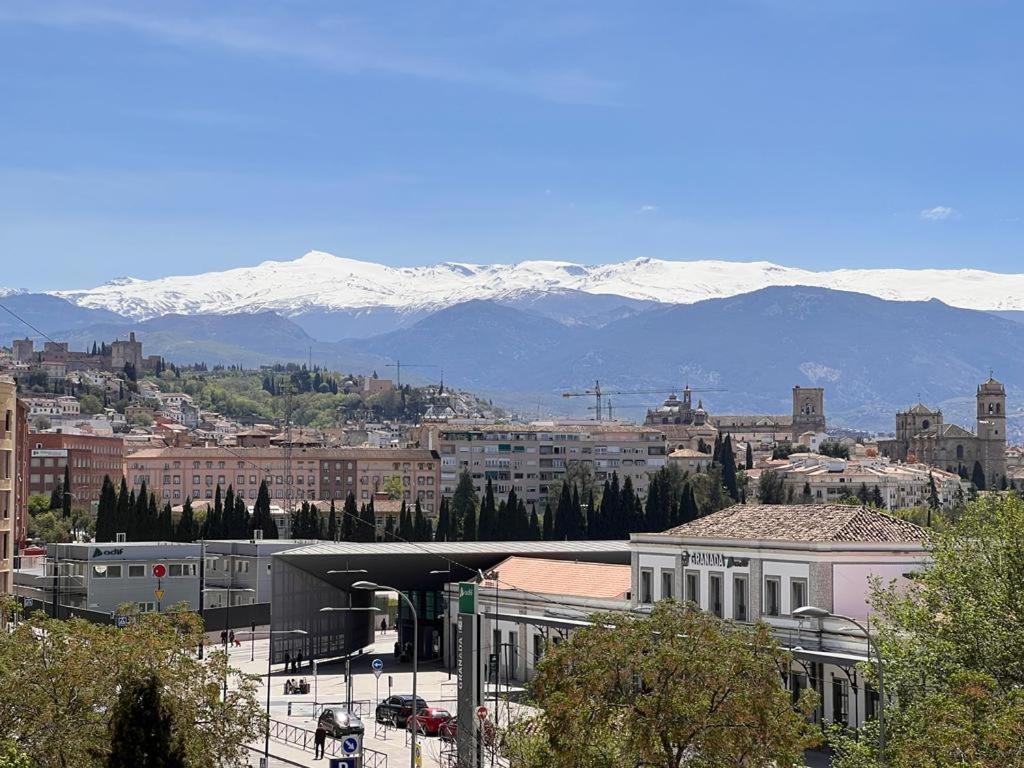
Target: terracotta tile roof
[(823, 523), (562, 577)]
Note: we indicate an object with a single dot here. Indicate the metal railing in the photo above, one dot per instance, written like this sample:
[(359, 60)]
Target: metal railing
[(303, 738)]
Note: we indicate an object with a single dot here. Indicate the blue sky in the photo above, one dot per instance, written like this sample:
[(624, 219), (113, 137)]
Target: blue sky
[(159, 138)]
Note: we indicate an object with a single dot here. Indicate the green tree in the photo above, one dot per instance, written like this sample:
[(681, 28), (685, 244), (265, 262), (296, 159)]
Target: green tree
[(142, 729), (933, 498), (978, 476), (393, 486), (463, 507), (186, 523), (89, 404), (332, 523), (12, 757), (835, 449), (261, 517), (548, 530), (488, 515), (443, 522), (60, 695), (728, 462), (771, 487), (750, 456), (954, 648), (535, 531), (672, 689)]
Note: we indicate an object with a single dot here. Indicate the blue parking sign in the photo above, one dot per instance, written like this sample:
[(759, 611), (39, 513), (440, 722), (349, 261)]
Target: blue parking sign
[(343, 762)]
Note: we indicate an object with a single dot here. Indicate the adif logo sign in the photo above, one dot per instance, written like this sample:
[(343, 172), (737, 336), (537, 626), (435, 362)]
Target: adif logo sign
[(107, 552)]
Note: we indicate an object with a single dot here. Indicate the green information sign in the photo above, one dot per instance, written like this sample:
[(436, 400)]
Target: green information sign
[(467, 597)]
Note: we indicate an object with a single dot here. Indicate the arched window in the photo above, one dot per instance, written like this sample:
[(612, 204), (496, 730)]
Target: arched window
[(991, 408), (960, 452), (925, 424), (998, 407)]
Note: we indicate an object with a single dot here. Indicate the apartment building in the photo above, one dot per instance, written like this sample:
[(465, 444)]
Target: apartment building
[(899, 485), (531, 457), (89, 459), (8, 480), (292, 475)]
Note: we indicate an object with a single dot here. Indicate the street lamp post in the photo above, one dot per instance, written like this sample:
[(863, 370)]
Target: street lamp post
[(812, 612), (371, 586), (270, 656)]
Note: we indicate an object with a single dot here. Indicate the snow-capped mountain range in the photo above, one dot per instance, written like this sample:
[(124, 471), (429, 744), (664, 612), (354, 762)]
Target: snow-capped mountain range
[(321, 281)]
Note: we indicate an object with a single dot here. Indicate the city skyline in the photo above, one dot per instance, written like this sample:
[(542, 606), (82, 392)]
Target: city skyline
[(814, 137)]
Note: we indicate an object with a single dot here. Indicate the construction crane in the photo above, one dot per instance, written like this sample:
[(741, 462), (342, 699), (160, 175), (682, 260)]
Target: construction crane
[(597, 393), (399, 365)]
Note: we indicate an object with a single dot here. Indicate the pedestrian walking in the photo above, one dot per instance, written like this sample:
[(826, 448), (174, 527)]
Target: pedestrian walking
[(319, 740), (384, 624), (231, 637), (299, 660), (287, 661), (223, 637)]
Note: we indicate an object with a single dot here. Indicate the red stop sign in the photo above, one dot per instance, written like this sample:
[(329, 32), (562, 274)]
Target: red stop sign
[(159, 570)]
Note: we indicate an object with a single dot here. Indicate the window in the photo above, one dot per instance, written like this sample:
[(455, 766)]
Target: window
[(136, 571), (840, 701), (646, 586), (100, 571), (771, 596), (797, 593), (739, 598), (693, 586), (715, 594), (667, 577), (181, 569), (147, 607)]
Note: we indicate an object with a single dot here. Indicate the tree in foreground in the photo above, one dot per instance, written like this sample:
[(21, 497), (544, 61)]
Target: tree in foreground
[(59, 695), (675, 688), (953, 642), (142, 729)]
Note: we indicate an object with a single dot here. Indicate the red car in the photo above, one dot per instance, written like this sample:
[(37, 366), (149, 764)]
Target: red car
[(428, 720), (448, 731)]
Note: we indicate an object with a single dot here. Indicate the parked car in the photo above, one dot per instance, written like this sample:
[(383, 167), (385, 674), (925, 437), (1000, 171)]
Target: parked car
[(428, 721), (340, 722), (397, 709), (448, 731)]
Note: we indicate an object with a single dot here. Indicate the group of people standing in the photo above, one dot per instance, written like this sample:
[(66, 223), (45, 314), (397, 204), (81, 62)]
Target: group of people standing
[(292, 664)]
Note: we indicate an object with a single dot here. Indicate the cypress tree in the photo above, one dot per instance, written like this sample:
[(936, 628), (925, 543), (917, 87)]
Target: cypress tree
[(591, 521), (122, 514), (419, 524), (978, 476), (65, 497), (349, 518), (215, 517), (152, 520), (577, 522), (142, 729), (55, 498), (366, 527), (486, 525), (165, 525), (728, 462), (462, 512), (442, 520), (240, 520), (653, 511), (631, 510), (535, 532), (186, 523), (261, 517), (404, 524), (877, 500), (548, 531), (750, 457), (389, 529), (563, 514), (332, 524), (806, 497), (105, 511), (688, 511)]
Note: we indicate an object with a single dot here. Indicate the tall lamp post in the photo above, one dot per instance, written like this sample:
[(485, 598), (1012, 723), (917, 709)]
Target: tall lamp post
[(270, 656), (812, 612), (372, 587)]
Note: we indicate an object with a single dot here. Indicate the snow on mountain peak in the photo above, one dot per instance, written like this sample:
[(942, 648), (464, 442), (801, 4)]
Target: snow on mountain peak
[(322, 281)]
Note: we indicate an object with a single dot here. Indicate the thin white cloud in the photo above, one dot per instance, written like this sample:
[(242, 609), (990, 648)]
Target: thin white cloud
[(339, 45), (938, 213), (649, 209)]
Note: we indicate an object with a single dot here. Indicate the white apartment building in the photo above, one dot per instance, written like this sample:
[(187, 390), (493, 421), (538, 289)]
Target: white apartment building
[(530, 457), (900, 485)]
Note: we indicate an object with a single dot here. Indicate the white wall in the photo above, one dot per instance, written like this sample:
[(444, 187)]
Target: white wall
[(850, 584)]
